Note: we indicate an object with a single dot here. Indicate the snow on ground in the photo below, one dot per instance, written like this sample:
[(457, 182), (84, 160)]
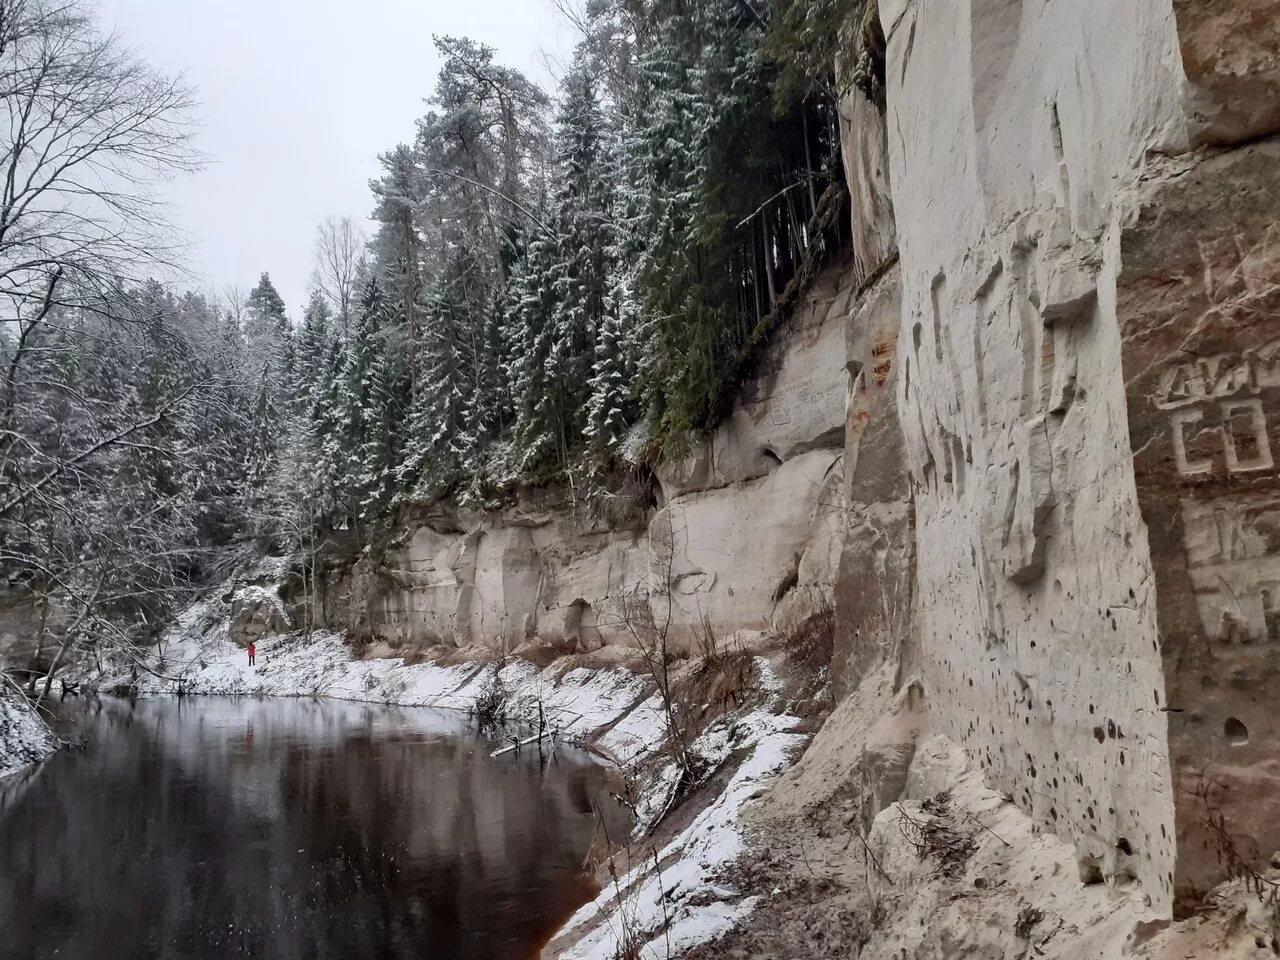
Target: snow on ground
[(631, 738), (660, 913), (196, 651), (24, 738), (679, 906)]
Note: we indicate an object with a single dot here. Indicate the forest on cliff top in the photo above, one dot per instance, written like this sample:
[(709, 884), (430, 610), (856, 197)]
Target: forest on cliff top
[(558, 282)]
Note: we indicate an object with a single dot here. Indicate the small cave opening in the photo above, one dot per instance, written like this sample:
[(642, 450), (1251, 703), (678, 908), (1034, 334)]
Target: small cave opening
[(1235, 731)]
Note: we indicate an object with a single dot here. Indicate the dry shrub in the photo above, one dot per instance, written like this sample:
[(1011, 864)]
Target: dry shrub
[(705, 639), (936, 839), (415, 655), (718, 685), (732, 678), (811, 643), (489, 709), (1207, 792)]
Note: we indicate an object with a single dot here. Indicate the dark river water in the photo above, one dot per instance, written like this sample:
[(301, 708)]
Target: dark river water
[(270, 828)]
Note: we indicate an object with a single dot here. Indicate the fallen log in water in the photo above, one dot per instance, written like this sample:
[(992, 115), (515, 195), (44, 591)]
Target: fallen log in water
[(522, 743)]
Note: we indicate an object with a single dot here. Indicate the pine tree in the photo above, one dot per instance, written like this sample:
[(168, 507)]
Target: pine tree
[(400, 245), (266, 326)]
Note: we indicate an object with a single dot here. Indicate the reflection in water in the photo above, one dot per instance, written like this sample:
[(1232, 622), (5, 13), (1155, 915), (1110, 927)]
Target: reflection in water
[(292, 829)]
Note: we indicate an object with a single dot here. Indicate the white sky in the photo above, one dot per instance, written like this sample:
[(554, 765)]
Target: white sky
[(298, 97)]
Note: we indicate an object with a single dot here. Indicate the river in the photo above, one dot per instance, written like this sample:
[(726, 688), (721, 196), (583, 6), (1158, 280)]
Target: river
[(277, 828)]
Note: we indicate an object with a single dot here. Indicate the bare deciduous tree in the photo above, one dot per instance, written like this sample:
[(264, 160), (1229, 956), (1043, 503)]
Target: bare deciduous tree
[(647, 612), (88, 130), (340, 263)]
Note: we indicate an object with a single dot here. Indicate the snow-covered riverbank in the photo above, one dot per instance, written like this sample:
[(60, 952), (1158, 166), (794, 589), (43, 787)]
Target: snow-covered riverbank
[(610, 706), (24, 738), (593, 702)]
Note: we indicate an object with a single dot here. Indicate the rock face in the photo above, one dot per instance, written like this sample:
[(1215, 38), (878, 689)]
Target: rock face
[(256, 612), (743, 537), (1030, 469), (874, 588), (1201, 328), (1085, 357), (1033, 589), (1230, 53)]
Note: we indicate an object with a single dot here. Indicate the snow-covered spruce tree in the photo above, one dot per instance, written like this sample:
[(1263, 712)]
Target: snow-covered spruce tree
[(266, 325), (664, 161), (738, 196), (371, 407), (216, 419), (312, 341), (588, 242), (269, 355), (540, 433), (451, 209), (297, 499), (567, 280), (328, 437), (442, 444), (399, 245), (610, 406)]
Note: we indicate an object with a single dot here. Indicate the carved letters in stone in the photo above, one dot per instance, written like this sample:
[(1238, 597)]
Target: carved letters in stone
[(810, 393), (1233, 557), (1217, 418)]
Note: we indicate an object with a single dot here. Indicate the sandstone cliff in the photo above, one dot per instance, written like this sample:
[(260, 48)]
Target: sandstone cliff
[(1020, 445), (1085, 199), (746, 532)]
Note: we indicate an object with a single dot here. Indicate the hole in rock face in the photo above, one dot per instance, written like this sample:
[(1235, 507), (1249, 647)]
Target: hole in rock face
[(1090, 871), (1124, 847), (1236, 732)]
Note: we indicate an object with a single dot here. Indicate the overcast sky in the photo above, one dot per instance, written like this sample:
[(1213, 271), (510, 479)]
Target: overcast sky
[(298, 98)]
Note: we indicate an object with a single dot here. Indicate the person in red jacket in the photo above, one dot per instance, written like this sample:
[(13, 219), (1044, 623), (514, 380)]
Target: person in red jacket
[(252, 651)]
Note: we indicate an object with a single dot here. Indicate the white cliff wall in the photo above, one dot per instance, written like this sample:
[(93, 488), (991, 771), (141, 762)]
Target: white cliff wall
[(746, 532), (1013, 127)]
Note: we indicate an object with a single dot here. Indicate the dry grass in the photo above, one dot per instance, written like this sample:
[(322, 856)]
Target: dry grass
[(715, 686), (811, 643)]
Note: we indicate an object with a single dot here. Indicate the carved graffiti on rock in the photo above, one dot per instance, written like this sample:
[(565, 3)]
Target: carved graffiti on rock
[(1233, 558), (1217, 420), (810, 393)]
